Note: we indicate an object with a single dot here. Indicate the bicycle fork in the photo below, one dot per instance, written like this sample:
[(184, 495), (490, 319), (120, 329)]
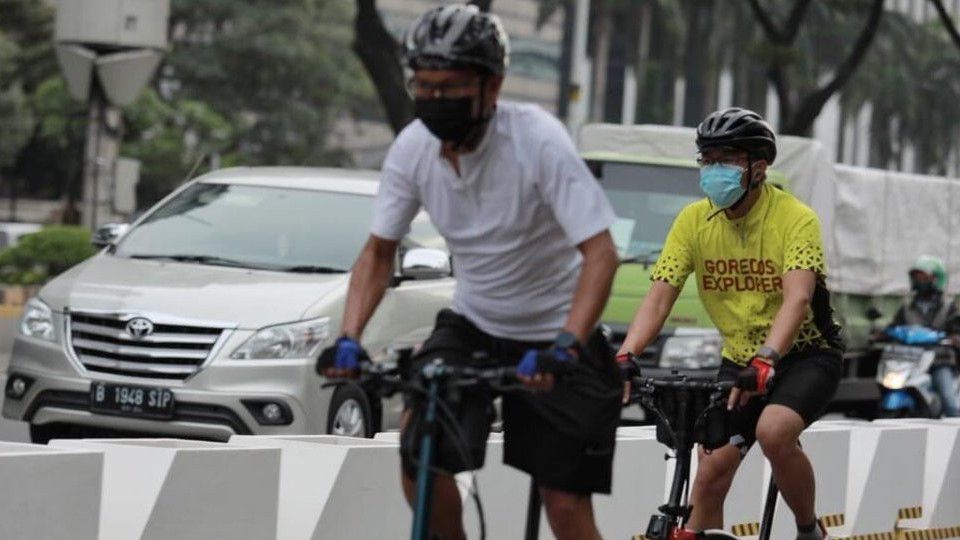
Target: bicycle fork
[(421, 514)]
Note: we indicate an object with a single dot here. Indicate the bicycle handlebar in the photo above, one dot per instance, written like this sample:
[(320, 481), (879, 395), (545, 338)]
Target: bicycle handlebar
[(390, 379), (683, 383)]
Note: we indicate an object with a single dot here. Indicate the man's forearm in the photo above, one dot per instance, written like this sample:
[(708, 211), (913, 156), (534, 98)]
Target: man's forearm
[(593, 290), (368, 283), (786, 325)]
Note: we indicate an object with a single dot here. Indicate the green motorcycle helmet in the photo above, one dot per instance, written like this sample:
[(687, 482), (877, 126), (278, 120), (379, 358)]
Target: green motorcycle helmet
[(933, 266)]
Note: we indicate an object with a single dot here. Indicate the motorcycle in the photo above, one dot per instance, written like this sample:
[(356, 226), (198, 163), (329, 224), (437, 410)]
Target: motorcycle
[(903, 372)]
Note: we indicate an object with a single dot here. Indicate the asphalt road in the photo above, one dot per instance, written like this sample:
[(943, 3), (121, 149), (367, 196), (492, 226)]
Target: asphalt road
[(9, 431)]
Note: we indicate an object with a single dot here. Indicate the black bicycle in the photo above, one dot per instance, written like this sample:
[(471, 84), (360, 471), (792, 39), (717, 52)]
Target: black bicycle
[(434, 381), (689, 412)]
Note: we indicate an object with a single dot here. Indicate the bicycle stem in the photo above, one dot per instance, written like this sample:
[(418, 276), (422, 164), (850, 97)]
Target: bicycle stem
[(684, 449)]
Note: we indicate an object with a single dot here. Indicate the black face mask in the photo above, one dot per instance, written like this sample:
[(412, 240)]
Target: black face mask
[(924, 289), (449, 119)]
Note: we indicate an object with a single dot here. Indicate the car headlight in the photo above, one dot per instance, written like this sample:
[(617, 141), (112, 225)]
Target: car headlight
[(286, 341), (691, 352), (37, 320)]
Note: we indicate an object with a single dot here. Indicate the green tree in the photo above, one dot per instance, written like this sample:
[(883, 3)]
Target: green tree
[(171, 139), (16, 119), (50, 164), (42, 255), (276, 70), (912, 87), (795, 76)]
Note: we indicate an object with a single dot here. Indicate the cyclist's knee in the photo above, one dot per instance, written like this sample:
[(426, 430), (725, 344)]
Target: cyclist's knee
[(777, 438)]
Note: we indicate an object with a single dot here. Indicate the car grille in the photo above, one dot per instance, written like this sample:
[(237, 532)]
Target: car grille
[(102, 343)]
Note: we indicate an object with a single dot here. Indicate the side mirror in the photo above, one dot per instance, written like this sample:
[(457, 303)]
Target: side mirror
[(109, 234), (873, 313), (425, 263)]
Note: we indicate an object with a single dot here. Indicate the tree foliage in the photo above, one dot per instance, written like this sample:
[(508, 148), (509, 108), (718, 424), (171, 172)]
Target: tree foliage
[(41, 255), (244, 82), (277, 71)]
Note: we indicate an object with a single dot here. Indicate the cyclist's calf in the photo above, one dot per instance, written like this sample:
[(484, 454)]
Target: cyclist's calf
[(715, 472), (570, 515)]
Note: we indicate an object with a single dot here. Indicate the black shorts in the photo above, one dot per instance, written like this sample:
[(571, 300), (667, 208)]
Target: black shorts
[(563, 438), (805, 381)]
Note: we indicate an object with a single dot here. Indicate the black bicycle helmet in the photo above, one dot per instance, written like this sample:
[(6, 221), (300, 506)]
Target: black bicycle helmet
[(456, 36), (738, 128)]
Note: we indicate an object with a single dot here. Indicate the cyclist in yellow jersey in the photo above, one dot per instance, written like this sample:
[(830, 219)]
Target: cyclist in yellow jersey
[(757, 256)]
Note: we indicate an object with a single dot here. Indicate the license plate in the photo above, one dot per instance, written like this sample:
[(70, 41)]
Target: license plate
[(130, 400)]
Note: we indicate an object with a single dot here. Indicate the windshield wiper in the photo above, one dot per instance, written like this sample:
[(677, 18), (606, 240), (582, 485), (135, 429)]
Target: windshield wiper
[(313, 269), (202, 259), (643, 258)]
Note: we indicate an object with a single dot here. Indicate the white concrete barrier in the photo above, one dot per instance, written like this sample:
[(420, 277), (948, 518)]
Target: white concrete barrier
[(336, 487), (869, 476), (640, 479), (504, 493), (828, 448), (170, 489), (885, 472), (49, 493), (743, 506), (941, 478)]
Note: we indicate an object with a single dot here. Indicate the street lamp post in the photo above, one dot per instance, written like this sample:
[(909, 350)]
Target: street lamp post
[(107, 50)]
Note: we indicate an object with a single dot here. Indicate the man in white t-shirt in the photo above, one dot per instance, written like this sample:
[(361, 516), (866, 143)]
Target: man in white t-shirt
[(527, 226)]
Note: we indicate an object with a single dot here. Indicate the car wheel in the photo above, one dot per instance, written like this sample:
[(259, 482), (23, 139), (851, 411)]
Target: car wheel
[(350, 413)]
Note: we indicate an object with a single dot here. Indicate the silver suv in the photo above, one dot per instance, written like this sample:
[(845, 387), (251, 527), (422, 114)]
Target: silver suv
[(205, 317)]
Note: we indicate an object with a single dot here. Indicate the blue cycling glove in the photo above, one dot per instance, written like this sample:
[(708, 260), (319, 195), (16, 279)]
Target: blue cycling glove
[(550, 360), (345, 353)]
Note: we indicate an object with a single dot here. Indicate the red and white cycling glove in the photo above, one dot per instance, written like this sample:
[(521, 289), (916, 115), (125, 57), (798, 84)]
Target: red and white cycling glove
[(758, 373)]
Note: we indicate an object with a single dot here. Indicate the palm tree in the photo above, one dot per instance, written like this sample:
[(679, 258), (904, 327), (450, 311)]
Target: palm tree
[(912, 88)]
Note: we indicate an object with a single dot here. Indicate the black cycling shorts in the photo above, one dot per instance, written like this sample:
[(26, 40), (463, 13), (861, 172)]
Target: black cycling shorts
[(805, 381), (563, 438)]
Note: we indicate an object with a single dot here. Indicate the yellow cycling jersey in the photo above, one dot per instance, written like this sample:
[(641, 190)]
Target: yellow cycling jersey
[(739, 264)]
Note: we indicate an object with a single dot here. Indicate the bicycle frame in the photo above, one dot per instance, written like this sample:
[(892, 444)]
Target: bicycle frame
[(670, 523), (437, 376), (424, 501)]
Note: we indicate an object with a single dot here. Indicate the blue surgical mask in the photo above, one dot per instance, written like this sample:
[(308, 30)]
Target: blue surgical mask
[(721, 183)]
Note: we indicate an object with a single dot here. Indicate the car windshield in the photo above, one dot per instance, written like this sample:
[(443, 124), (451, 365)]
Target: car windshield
[(646, 199), (271, 228)]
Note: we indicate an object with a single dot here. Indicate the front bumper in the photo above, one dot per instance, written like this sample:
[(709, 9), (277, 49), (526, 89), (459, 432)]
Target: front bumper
[(207, 405)]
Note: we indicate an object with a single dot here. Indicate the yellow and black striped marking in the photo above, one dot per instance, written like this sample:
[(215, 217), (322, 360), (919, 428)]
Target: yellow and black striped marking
[(833, 520), (746, 529), (930, 534), (871, 536), (910, 513)]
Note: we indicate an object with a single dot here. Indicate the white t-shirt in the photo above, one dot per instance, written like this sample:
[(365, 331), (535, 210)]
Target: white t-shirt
[(512, 218)]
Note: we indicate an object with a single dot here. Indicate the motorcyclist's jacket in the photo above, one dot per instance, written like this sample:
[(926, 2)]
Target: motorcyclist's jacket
[(740, 263), (934, 312)]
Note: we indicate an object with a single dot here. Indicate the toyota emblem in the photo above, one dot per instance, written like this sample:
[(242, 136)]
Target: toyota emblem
[(139, 328)]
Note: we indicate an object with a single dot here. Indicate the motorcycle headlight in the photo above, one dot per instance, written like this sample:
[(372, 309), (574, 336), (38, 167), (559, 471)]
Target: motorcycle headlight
[(894, 373), (37, 320), (287, 341), (691, 352)]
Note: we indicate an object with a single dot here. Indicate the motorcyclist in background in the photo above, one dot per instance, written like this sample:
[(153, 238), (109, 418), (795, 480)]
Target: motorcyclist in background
[(928, 307)]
